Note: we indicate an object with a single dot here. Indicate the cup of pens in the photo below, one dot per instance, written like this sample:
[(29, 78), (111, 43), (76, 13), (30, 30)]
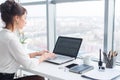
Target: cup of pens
[(110, 59)]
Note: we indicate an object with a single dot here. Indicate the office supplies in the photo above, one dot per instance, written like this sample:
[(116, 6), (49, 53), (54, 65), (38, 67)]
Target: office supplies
[(110, 55), (71, 65), (100, 61), (110, 59), (66, 49), (115, 53), (81, 68), (105, 57), (108, 74)]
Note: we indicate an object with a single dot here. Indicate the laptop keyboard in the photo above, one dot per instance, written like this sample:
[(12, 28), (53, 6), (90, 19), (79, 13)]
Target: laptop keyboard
[(60, 57)]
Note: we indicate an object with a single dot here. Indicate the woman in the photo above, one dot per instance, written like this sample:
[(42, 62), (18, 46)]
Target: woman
[(12, 54)]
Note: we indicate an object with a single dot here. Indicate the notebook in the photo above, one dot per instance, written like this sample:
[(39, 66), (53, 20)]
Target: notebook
[(81, 68), (66, 49)]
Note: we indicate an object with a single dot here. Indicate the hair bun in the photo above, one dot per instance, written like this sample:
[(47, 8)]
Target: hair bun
[(7, 6)]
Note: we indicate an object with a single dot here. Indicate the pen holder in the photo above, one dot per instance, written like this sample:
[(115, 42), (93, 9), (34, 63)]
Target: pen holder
[(110, 62)]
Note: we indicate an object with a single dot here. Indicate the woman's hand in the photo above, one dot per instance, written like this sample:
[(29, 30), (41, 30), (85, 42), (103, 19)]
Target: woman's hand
[(46, 56), (42, 52), (38, 53)]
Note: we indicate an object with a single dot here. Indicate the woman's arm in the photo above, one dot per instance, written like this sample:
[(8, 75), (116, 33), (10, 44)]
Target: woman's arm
[(32, 55), (44, 55)]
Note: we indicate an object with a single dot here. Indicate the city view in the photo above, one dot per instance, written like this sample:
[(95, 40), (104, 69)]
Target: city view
[(88, 28), (91, 29)]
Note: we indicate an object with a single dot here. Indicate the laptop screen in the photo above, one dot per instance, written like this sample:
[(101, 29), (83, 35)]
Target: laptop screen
[(67, 46)]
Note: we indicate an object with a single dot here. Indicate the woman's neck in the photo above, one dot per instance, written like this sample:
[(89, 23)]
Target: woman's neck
[(10, 27)]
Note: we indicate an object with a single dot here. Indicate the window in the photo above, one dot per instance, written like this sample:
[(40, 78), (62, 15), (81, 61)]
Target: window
[(117, 27), (1, 23), (35, 28), (1, 1), (83, 19)]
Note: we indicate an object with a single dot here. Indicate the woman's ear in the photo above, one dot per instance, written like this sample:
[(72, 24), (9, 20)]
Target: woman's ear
[(16, 19)]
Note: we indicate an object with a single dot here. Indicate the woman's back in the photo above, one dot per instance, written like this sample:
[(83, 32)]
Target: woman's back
[(7, 61)]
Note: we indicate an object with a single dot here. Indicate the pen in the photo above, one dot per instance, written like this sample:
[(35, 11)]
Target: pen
[(115, 53), (110, 54)]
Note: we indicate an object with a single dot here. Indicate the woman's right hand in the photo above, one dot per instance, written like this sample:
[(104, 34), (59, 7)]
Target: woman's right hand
[(46, 56)]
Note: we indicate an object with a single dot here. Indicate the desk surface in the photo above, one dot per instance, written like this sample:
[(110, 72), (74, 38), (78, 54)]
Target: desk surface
[(59, 72)]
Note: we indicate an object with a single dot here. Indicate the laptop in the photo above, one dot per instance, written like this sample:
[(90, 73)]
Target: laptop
[(66, 49)]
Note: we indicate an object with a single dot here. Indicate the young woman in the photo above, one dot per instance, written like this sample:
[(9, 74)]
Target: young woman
[(12, 55)]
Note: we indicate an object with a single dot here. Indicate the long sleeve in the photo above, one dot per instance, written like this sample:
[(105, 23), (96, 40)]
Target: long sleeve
[(20, 55), (12, 54)]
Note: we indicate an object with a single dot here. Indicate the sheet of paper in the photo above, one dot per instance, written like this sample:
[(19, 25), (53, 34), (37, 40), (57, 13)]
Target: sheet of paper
[(107, 74)]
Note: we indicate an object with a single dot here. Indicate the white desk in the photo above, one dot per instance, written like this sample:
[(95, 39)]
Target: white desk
[(54, 72), (58, 72)]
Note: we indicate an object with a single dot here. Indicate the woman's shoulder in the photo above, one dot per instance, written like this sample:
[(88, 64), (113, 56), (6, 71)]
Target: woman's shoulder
[(8, 35)]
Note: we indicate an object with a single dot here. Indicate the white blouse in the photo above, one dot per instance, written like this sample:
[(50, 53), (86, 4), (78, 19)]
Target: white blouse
[(12, 55)]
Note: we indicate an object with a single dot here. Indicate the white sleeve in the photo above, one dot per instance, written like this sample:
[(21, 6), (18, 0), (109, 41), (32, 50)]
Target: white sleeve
[(17, 51)]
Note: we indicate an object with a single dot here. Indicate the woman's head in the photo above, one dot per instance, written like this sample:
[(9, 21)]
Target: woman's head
[(13, 15)]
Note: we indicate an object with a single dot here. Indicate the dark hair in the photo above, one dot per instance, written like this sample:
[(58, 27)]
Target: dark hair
[(9, 9)]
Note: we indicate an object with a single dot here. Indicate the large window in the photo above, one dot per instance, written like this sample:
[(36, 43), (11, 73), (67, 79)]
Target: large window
[(1, 1), (83, 19), (35, 28), (117, 27), (1, 22), (1, 25)]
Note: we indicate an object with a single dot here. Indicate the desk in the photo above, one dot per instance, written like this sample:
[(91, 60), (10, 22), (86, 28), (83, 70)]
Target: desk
[(54, 72), (59, 72)]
